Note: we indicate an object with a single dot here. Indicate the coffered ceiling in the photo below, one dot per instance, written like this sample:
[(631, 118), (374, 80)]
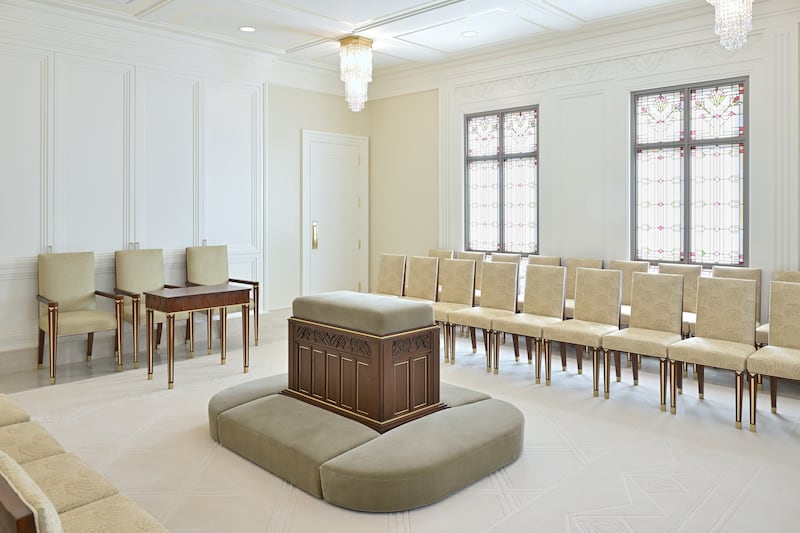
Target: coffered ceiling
[(404, 31)]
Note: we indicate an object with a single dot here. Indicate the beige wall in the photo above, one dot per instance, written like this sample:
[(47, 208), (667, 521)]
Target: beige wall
[(289, 111), (404, 175)]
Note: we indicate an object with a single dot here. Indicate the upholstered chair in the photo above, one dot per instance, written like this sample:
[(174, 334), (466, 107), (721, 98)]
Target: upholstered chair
[(598, 294), (543, 305), (573, 264), (139, 271), (690, 273), (422, 278), (627, 268), (208, 265), (67, 304), (790, 276), (391, 274), (441, 253), (457, 281), (724, 334), (655, 323), (754, 274), (781, 358), (498, 298), (546, 260), (479, 258)]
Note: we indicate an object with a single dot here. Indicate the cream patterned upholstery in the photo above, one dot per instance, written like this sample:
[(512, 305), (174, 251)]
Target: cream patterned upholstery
[(457, 282), (762, 331), (690, 273), (441, 254), (391, 274), (655, 322), (62, 492), (44, 513), (546, 260), (139, 271), (543, 305), (11, 413), (573, 264), (479, 258), (422, 278), (724, 333), (67, 306), (781, 359), (498, 298), (627, 268), (598, 295), (208, 265), (742, 273)]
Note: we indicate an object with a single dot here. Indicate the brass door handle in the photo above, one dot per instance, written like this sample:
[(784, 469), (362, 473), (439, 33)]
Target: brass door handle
[(314, 235)]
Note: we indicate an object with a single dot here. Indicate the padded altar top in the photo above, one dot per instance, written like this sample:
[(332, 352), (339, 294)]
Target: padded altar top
[(375, 314)]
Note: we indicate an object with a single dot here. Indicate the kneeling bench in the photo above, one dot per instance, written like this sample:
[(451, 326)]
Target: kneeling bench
[(353, 466)]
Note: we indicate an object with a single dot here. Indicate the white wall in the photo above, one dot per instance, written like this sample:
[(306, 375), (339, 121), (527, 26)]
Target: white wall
[(140, 140)]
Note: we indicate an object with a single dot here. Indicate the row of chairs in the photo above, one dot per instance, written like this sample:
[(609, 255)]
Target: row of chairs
[(67, 296), (666, 313)]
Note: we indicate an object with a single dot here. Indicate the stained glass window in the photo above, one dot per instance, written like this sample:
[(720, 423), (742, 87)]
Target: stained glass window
[(502, 181), (690, 190)]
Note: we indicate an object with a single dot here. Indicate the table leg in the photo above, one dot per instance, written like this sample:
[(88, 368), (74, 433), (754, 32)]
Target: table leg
[(223, 332), (170, 350), (150, 341), (246, 337)]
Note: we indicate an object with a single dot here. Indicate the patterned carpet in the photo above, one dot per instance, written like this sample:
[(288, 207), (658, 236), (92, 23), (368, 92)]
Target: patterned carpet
[(589, 464)]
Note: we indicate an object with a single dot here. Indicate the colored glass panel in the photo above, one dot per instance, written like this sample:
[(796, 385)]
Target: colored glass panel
[(483, 205), (717, 204), (519, 199), (659, 204), (519, 132), (659, 118), (717, 112), (483, 138)]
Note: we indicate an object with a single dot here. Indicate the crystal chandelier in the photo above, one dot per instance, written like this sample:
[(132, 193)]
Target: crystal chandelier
[(355, 54), (733, 19)]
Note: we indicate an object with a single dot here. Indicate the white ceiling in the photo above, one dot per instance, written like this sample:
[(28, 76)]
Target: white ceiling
[(404, 31)]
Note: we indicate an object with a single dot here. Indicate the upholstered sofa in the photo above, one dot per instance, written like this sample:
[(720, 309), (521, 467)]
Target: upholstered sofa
[(45, 489)]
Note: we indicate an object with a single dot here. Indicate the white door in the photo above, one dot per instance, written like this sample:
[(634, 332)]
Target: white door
[(335, 217)]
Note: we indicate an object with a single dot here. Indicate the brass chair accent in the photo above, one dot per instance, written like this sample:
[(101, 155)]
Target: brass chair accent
[(457, 281), (139, 271), (441, 254), (655, 323), (627, 268), (781, 358), (391, 274), (208, 265), (690, 273), (543, 305), (598, 294), (724, 334), (67, 298), (498, 298), (762, 331), (422, 278)]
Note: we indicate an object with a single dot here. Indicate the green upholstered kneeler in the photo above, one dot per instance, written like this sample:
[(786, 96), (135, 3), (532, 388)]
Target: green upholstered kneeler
[(353, 466), (290, 438), (423, 461)]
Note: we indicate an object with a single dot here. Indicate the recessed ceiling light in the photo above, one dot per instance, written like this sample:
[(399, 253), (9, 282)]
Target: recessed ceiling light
[(469, 33), (247, 29)]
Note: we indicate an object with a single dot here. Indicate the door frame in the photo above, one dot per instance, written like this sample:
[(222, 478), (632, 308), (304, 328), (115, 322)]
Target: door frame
[(309, 138)]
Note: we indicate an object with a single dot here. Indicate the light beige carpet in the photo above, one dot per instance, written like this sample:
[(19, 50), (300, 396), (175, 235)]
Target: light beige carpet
[(589, 464)]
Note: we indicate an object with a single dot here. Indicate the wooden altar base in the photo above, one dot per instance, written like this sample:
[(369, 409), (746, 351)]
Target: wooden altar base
[(380, 381)]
